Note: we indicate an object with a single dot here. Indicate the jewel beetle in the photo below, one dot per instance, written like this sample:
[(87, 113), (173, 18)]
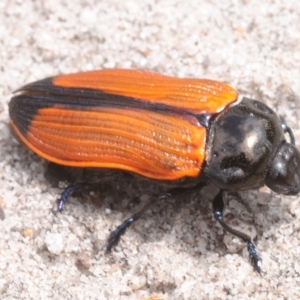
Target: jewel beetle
[(160, 127)]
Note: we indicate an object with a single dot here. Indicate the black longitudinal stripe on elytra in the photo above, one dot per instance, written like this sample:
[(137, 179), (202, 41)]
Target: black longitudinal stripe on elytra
[(43, 94)]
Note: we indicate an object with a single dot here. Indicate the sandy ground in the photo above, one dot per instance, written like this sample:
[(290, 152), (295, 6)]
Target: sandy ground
[(176, 251)]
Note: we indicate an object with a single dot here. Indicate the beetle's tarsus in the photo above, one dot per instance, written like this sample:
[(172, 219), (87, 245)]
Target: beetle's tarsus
[(115, 235), (254, 258), (66, 194)]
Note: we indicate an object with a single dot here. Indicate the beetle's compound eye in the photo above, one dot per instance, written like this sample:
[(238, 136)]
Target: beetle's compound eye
[(284, 174)]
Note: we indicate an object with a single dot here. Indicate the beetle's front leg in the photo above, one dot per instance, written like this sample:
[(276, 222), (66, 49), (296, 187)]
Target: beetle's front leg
[(218, 207)]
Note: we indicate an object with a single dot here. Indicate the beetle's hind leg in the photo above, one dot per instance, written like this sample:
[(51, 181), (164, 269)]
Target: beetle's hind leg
[(218, 207), (67, 193), (85, 184)]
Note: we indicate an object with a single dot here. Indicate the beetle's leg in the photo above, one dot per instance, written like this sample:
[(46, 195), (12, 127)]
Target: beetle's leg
[(218, 207), (115, 235), (77, 186), (288, 130), (67, 192)]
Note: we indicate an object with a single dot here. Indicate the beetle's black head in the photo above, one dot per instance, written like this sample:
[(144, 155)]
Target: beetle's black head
[(247, 149), (284, 173)]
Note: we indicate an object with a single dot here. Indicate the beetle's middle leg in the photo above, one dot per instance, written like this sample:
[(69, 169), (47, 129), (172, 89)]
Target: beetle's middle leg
[(117, 233)]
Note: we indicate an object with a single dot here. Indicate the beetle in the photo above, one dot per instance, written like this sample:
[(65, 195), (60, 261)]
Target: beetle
[(159, 127)]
